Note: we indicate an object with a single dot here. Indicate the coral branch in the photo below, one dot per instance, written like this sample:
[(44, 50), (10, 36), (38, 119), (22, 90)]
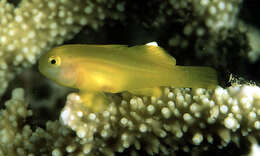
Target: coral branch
[(182, 119)]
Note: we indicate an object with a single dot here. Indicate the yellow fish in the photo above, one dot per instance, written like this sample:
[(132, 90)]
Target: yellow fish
[(141, 69)]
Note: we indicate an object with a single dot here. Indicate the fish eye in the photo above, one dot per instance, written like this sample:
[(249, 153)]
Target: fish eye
[(54, 60)]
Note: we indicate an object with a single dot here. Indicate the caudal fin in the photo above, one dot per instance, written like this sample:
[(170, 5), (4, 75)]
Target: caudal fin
[(194, 77)]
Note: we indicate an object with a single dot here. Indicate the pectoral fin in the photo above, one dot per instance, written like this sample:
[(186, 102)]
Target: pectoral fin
[(96, 101)]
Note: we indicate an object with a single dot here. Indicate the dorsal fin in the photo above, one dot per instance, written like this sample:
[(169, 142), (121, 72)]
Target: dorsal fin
[(149, 53), (153, 52), (111, 46), (152, 44), (139, 54)]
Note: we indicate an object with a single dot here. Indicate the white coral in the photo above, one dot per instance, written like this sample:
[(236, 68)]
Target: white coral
[(178, 118)]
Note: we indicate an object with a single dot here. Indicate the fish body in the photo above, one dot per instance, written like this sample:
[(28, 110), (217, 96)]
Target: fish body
[(141, 70), (117, 68)]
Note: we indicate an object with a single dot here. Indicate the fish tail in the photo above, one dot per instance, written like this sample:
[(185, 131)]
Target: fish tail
[(194, 77)]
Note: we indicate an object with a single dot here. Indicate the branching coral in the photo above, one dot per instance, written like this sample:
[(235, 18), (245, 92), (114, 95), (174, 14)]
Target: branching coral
[(253, 35), (18, 138), (11, 120), (189, 120), (182, 119)]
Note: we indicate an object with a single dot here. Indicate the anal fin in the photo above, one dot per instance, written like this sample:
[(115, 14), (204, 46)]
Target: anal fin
[(154, 91)]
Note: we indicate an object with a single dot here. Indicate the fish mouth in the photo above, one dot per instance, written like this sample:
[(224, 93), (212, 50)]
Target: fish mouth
[(40, 66), (43, 64)]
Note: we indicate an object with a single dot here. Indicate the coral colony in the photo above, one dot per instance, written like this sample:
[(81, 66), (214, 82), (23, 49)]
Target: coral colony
[(182, 120)]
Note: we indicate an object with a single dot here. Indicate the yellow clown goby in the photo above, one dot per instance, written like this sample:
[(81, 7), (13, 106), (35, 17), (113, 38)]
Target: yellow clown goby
[(95, 69)]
